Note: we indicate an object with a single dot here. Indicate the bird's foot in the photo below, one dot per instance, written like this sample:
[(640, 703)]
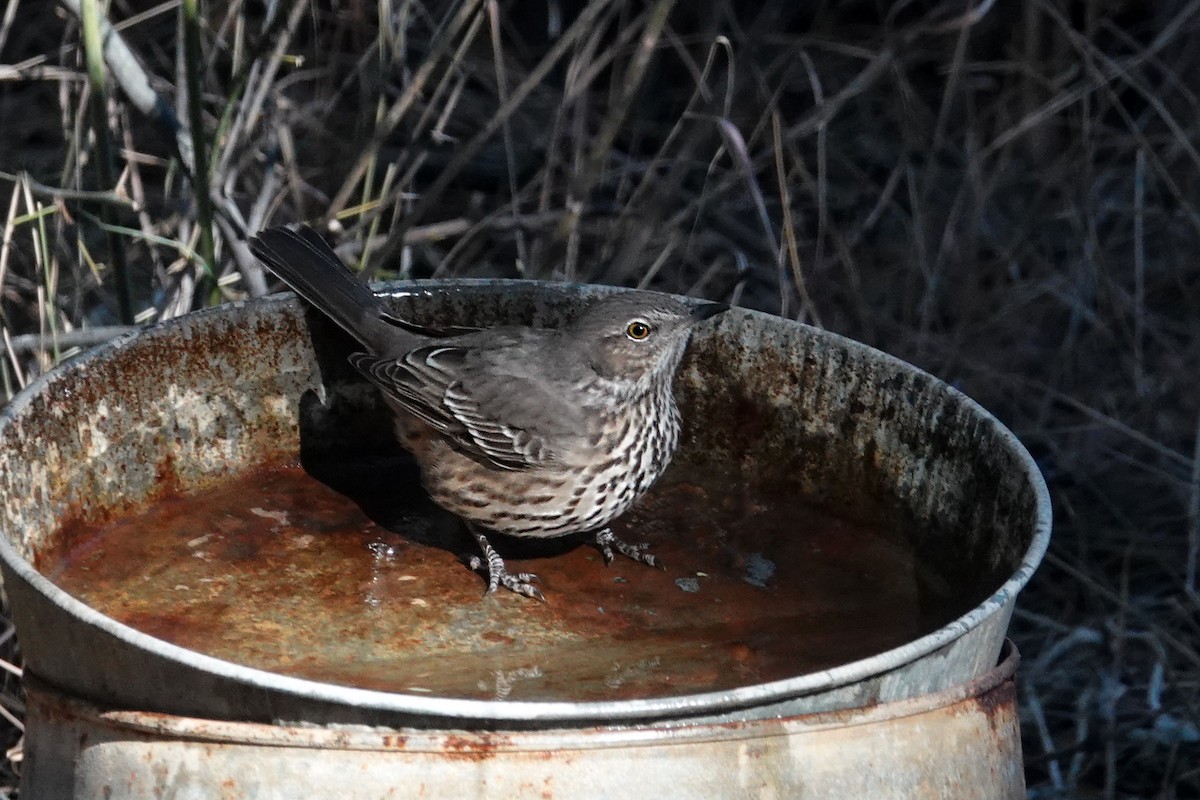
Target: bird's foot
[(607, 541), (498, 575)]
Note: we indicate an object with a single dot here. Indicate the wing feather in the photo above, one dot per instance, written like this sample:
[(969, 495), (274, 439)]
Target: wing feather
[(511, 420)]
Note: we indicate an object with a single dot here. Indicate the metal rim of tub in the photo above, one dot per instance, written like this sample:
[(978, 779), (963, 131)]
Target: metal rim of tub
[(435, 741), (551, 712)]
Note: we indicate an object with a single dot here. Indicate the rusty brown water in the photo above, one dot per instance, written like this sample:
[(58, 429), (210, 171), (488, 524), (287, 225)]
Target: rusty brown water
[(343, 572)]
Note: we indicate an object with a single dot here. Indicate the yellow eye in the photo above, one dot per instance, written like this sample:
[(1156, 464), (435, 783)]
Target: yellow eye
[(637, 330)]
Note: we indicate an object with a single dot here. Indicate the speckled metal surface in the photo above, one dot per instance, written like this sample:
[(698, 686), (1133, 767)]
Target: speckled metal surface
[(191, 403)]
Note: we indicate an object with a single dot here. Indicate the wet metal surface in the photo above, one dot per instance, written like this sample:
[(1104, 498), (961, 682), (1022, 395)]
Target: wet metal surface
[(279, 571), (783, 409)]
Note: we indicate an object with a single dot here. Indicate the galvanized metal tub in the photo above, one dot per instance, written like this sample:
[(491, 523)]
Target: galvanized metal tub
[(209, 396)]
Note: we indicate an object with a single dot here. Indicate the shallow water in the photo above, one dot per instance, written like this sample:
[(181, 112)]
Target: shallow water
[(365, 585)]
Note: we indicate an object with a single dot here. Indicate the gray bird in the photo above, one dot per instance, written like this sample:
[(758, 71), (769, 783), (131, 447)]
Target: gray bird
[(529, 432)]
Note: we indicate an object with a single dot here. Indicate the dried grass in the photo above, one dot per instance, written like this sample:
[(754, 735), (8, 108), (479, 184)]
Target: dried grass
[(1007, 195)]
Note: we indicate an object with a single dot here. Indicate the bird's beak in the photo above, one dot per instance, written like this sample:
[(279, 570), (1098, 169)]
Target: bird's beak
[(707, 310)]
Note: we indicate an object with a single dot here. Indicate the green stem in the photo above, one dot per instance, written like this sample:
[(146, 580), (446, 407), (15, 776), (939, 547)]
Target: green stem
[(94, 52), (193, 65)]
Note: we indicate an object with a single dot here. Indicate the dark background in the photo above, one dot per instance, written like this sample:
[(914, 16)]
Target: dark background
[(1006, 194)]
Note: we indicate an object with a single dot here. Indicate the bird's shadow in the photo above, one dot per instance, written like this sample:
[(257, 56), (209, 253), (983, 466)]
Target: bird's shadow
[(348, 443)]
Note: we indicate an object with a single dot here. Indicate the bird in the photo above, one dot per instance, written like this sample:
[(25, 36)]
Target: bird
[(524, 431)]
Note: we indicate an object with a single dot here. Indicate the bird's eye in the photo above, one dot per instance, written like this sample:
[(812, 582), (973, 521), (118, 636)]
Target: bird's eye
[(637, 330)]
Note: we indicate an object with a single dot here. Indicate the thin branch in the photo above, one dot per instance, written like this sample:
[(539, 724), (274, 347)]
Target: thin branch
[(83, 337), (58, 193), (135, 83)]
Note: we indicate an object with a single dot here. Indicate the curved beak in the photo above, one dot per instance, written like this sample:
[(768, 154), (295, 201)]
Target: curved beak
[(708, 310)]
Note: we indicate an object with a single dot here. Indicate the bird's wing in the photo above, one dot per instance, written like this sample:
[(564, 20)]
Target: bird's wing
[(495, 411)]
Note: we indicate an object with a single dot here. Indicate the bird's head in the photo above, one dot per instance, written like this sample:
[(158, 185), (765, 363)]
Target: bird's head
[(638, 336)]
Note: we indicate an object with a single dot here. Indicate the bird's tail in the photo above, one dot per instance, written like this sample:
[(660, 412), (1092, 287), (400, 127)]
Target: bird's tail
[(307, 264)]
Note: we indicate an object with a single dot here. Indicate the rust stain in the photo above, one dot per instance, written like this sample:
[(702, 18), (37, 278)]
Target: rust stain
[(394, 741), (475, 747), (999, 706)]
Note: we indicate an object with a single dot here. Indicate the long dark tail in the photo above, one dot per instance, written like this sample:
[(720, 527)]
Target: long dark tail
[(306, 263)]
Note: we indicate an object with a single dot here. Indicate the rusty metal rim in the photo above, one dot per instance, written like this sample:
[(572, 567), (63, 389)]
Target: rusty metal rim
[(536, 711), (412, 740)]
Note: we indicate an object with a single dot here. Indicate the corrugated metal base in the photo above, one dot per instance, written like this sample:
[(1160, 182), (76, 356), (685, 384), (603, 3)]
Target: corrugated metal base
[(962, 743)]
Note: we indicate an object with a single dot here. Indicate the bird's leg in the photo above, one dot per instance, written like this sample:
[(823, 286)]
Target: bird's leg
[(498, 574), (607, 541)]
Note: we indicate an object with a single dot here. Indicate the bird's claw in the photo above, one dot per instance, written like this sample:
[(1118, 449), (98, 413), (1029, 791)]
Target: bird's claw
[(521, 583), (498, 575), (607, 542)]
